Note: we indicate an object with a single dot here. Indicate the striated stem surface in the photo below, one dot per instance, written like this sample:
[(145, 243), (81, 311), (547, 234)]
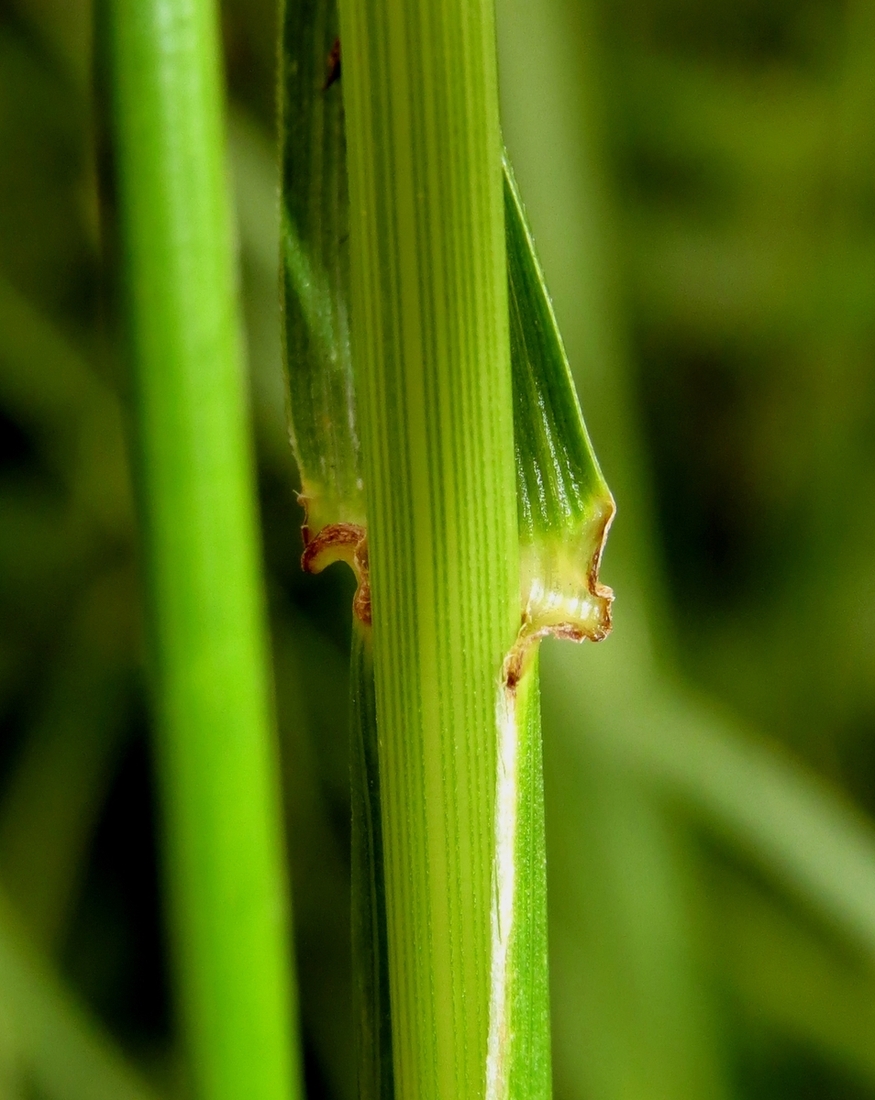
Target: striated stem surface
[(432, 363)]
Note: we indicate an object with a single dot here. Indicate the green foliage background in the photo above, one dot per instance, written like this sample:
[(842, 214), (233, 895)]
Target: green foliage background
[(701, 181)]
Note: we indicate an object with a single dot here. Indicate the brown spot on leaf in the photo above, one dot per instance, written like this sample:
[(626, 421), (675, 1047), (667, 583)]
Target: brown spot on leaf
[(332, 66)]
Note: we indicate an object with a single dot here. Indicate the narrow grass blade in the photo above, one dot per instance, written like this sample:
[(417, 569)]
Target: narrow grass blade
[(217, 766), (564, 512), (325, 440)]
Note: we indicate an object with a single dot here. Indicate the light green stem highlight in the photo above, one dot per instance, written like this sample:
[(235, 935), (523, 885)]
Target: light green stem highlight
[(216, 754), (518, 1057)]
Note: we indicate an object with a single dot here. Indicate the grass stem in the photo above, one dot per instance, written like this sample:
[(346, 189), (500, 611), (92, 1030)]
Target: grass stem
[(216, 754), (432, 362)]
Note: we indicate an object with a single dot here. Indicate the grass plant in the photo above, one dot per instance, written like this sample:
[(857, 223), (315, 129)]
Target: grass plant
[(698, 186)]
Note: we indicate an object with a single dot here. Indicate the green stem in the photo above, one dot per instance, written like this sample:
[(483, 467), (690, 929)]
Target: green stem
[(432, 362), (215, 749)]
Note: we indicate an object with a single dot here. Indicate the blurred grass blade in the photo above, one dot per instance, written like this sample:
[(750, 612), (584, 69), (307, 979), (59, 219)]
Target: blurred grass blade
[(769, 806), (312, 702), (801, 984), (217, 767), (64, 1054), (631, 1018), (73, 414), (53, 797), (761, 802)]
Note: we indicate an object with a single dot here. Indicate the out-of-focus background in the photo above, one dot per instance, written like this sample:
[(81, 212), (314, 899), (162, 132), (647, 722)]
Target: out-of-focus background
[(701, 182)]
